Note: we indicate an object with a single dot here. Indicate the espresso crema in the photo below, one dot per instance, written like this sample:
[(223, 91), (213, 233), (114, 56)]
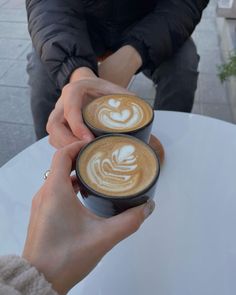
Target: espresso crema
[(118, 113), (118, 166)]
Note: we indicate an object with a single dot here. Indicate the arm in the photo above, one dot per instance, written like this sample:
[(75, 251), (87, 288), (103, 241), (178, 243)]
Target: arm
[(120, 67), (164, 30), (59, 33), (172, 23), (57, 255), (65, 241)]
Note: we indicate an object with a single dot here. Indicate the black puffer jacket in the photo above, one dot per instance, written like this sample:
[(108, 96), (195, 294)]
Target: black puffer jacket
[(68, 34)]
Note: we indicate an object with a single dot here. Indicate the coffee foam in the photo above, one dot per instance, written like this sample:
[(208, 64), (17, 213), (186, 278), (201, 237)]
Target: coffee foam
[(118, 166), (119, 113)]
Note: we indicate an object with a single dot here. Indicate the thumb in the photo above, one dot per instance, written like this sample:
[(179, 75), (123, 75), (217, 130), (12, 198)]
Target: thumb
[(123, 225)]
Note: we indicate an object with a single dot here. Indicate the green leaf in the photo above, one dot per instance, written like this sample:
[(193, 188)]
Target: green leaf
[(228, 69)]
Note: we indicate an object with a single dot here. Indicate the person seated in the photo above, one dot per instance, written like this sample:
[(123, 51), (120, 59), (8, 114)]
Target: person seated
[(127, 37)]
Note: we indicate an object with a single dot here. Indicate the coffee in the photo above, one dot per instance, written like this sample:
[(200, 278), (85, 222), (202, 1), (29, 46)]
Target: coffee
[(117, 166), (117, 113)]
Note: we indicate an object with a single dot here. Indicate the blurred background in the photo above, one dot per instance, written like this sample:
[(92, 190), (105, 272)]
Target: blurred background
[(215, 38)]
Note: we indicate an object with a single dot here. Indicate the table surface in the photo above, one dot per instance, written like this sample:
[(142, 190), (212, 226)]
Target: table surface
[(187, 246)]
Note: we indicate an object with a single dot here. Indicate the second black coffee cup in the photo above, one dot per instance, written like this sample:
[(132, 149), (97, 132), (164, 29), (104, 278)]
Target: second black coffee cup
[(119, 113), (115, 173)]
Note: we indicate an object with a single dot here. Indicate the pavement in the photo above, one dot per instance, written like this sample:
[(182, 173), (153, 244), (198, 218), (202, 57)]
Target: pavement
[(16, 124)]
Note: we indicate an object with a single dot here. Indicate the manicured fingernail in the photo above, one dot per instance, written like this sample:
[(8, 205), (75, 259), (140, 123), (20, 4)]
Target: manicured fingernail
[(149, 207)]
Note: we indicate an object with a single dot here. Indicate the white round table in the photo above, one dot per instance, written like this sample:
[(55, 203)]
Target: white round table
[(187, 246)]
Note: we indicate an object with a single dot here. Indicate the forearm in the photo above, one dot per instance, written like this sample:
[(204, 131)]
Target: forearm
[(120, 66), (82, 73), (117, 68)]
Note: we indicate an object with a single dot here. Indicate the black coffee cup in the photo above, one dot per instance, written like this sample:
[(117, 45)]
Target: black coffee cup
[(143, 133), (107, 206)]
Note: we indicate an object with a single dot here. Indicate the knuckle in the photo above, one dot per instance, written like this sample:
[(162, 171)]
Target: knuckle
[(50, 121), (66, 88), (67, 108), (135, 222), (67, 111), (48, 127)]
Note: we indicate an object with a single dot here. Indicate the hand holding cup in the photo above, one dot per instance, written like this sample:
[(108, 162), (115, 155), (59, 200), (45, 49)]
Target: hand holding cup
[(65, 241), (65, 124)]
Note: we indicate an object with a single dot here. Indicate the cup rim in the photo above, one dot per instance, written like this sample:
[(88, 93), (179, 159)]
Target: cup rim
[(104, 196), (99, 130)]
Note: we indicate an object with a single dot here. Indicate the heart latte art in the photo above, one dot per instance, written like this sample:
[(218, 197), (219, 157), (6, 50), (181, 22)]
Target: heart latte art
[(119, 113), (117, 166)]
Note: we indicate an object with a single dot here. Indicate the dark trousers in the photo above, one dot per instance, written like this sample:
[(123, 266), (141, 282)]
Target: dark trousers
[(175, 80)]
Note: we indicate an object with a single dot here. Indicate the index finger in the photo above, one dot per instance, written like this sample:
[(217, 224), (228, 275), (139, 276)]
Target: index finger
[(73, 104), (76, 123), (60, 134), (63, 159)]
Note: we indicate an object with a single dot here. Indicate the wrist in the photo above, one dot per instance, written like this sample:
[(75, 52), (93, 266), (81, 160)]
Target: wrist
[(120, 67), (132, 56), (51, 272), (81, 73), (137, 59)]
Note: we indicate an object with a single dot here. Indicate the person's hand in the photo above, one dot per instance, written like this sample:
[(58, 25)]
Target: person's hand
[(65, 241), (65, 124)]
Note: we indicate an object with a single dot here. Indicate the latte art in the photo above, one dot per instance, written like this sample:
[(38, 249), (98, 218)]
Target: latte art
[(120, 113), (113, 116), (117, 173), (117, 166)]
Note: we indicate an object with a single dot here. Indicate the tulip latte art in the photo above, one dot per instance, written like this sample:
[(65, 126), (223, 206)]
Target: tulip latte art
[(119, 113), (117, 166)]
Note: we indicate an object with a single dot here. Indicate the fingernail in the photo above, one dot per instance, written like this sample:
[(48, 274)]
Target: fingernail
[(149, 208)]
